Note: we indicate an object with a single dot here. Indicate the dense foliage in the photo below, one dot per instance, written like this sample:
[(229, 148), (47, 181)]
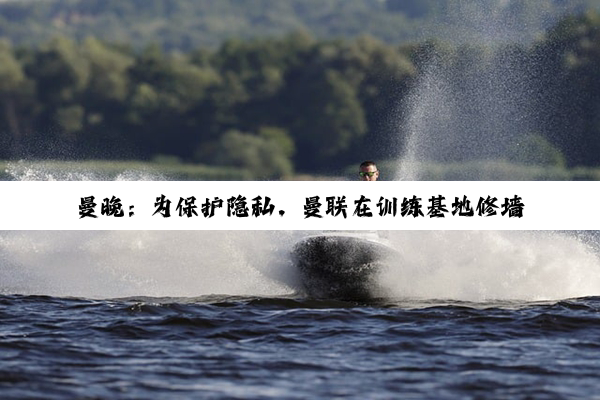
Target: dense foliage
[(266, 105), (273, 105), (187, 24)]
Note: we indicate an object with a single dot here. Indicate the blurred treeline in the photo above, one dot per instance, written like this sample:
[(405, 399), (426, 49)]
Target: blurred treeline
[(268, 105), (187, 24), (271, 105)]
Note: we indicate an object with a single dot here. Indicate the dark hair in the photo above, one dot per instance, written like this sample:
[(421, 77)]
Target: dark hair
[(367, 164)]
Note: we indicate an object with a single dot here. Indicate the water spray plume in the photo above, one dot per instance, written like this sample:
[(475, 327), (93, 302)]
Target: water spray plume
[(75, 171), (476, 95), (473, 266)]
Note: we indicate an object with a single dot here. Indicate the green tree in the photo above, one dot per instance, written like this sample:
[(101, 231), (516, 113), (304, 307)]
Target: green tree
[(70, 119), (12, 79), (167, 93), (280, 137), (263, 155), (535, 149), (571, 55), (412, 8), (327, 118), (61, 74), (108, 80), (60, 71), (381, 75)]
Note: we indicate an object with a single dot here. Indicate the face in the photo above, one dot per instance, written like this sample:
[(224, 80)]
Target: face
[(372, 169)]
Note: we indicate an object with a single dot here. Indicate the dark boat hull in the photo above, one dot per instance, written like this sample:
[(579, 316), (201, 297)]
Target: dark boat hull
[(342, 267)]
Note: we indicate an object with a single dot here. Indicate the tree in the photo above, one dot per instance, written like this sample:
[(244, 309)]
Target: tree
[(167, 97), (11, 80), (536, 150), (60, 71), (570, 55), (326, 118), (61, 75), (108, 72), (263, 154), (381, 75), (412, 8)]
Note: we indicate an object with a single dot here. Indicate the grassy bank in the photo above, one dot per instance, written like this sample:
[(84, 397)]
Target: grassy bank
[(138, 170), (97, 170), (483, 171)]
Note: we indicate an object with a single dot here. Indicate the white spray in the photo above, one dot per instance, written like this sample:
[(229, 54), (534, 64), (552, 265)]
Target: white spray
[(476, 96), (108, 264), (494, 265), (458, 265)]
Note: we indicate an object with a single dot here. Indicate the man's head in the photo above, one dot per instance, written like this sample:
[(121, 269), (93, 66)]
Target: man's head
[(368, 171)]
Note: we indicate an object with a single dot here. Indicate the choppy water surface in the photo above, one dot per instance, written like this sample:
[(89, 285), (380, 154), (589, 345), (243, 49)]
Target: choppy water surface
[(220, 315), (290, 347)]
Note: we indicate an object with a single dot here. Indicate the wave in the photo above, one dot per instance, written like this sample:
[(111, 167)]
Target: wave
[(458, 265), (24, 170)]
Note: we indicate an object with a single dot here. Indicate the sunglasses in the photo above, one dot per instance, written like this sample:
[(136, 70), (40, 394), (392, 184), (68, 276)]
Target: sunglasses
[(369, 174)]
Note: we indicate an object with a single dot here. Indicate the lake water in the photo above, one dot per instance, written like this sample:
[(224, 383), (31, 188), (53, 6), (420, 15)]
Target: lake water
[(286, 347), (218, 315)]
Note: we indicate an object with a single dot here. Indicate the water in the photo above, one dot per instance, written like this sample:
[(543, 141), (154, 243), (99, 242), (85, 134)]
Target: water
[(477, 96), (458, 265), (121, 314), (288, 347), (24, 171)]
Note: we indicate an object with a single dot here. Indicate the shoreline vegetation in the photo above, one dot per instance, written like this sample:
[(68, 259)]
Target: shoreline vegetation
[(169, 170), (303, 103)]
